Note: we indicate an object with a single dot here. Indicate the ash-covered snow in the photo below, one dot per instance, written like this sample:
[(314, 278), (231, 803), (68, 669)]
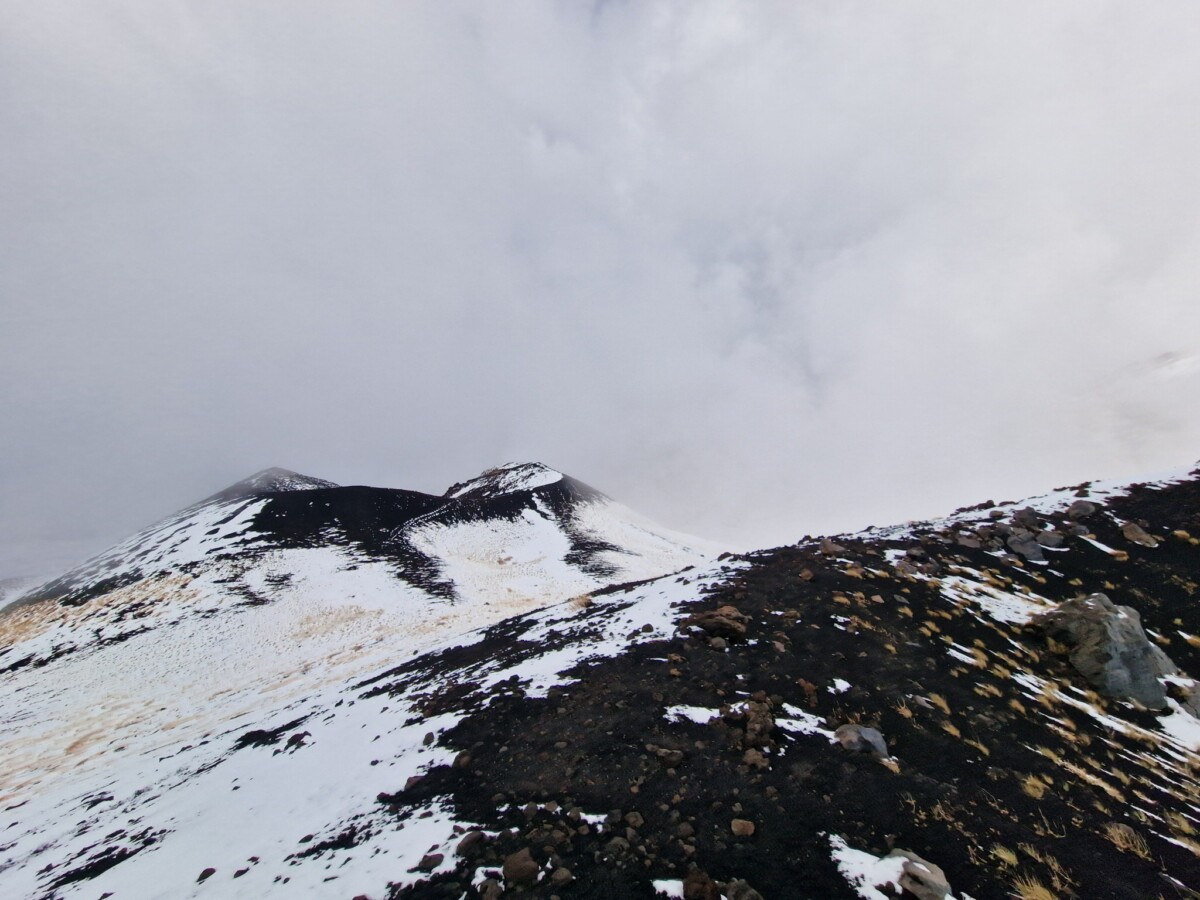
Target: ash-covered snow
[(509, 478)]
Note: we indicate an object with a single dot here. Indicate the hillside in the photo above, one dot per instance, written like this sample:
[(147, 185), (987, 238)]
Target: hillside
[(770, 724)]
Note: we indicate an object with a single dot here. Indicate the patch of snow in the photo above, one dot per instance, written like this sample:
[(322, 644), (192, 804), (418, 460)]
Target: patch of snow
[(803, 722), (867, 873), (1181, 727), (839, 686), (511, 477), (1001, 605), (699, 714), (669, 887)]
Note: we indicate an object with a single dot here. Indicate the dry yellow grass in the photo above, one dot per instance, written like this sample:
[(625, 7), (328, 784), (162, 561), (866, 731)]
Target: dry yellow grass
[(1034, 787), (1030, 888), (1125, 838), (1007, 858)]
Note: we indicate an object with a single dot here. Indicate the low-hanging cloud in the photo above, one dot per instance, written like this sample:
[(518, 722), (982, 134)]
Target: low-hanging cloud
[(757, 269)]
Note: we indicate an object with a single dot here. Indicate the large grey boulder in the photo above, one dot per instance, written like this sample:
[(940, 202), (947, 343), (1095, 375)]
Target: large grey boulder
[(1110, 649), (862, 739)]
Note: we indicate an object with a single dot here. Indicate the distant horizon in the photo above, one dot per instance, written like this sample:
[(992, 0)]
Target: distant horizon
[(39, 577), (755, 270)]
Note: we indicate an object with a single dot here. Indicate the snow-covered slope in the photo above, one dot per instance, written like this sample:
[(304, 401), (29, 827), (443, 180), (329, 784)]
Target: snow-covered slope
[(276, 589), (302, 717)]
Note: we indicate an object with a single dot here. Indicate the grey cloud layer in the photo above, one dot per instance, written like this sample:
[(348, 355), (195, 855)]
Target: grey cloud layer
[(756, 269)]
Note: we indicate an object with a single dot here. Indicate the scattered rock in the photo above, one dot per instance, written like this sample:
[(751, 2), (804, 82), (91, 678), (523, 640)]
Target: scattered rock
[(970, 541), (742, 827), (829, 548), (206, 874), (1050, 539), (1081, 509), (470, 843), (755, 759), (740, 890), (759, 723), (520, 868), (1110, 649), (699, 886), (862, 739), (921, 878), (561, 877), (429, 862), (1136, 533), (1027, 546), (725, 622), (1027, 518)]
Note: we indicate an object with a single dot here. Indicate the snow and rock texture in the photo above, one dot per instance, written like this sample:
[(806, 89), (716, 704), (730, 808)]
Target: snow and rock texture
[(676, 734)]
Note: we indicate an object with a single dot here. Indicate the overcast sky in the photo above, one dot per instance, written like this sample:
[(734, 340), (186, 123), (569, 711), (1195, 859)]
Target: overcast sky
[(755, 269)]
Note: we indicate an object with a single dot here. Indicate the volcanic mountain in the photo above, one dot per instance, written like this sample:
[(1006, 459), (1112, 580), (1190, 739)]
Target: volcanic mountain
[(293, 689)]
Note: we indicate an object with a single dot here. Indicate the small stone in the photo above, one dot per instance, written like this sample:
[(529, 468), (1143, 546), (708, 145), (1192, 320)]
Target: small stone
[(429, 862), (413, 781), (1027, 518), (634, 819), (1081, 509), (1026, 546), (755, 759), (470, 842), (699, 886), (1050, 539), (742, 827), (1136, 533), (829, 548), (206, 874), (561, 877), (670, 758), (520, 868), (740, 890)]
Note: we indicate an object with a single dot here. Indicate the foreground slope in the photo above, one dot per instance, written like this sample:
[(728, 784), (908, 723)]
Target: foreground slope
[(678, 734)]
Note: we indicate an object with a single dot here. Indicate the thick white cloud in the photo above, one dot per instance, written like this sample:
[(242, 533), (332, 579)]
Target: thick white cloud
[(758, 269)]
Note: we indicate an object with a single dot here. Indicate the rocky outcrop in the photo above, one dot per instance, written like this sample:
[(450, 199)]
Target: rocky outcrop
[(1109, 647)]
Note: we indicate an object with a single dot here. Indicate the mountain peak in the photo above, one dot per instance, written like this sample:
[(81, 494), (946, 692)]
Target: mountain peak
[(507, 479), (273, 480)]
